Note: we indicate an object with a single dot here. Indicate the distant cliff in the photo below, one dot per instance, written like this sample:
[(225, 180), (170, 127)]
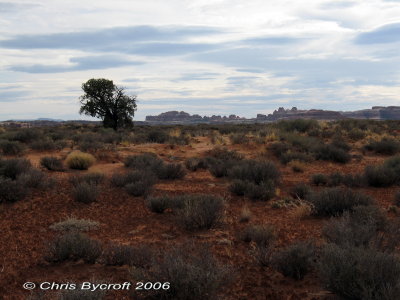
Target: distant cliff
[(376, 113)]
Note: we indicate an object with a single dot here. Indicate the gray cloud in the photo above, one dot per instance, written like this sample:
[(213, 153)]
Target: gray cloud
[(11, 95), (78, 64), (7, 7), (106, 39), (385, 34), (196, 76)]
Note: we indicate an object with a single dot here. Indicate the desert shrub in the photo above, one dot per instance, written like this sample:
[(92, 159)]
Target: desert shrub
[(33, 178), (261, 235), (335, 201), (386, 146), (138, 188), (263, 191), (255, 171), (170, 171), (25, 135), (194, 163), (239, 138), (397, 198), (360, 273), (295, 156), (11, 147), (245, 215), (79, 160), (300, 191), (356, 134), (157, 136), (201, 211), (12, 168), (225, 154), (123, 179), (279, 148), (319, 179), (380, 176), (143, 161), (238, 187), (90, 146), (74, 224), (119, 255), (294, 261), (338, 142), (331, 153), (159, 204), (300, 125), (219, 168), (85, 192), (12, 190), (93, 178), (73, 245), (193, 273), (43, 145), (297, 166), (52, 163)]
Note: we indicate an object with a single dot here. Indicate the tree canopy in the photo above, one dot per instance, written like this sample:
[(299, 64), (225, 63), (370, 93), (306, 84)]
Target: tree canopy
[(103, 99)]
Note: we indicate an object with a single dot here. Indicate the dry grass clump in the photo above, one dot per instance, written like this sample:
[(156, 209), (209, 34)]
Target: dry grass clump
[(297, 166), (74, 224), (79, 160)]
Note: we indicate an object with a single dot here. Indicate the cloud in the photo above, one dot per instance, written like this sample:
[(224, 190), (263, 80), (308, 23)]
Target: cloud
[(196, 76), (389, 33), (272, 41), (107, 39), (77, 64), (7, 7), (11, 95)]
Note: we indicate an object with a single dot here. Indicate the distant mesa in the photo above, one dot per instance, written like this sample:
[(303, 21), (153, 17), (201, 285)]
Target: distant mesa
[(376, 113)]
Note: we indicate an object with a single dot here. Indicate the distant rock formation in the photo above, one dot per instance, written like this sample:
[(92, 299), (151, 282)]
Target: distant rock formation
[(181, 116), (376, 112)]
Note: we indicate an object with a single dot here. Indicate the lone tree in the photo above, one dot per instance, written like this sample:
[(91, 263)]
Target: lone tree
[(103, 99)]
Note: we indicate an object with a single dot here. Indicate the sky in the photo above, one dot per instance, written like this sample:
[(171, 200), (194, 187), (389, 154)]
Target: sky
[(201, 56)]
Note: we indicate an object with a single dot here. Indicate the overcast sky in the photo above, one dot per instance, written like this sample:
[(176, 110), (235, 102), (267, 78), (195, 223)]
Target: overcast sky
[(201, 56)]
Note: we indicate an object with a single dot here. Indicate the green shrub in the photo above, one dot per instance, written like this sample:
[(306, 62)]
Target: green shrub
[(11, 147), (85, 192), (136, 183), (239, 187), (279, 148), (201, 211), (52, 163), (386, 146), (294, 261), (26, 135), (359, 273), (319, 179), (73, 245), (335, 201), (356, 134), (79, 160), (300, 125), (219, 168), (159, 204)]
